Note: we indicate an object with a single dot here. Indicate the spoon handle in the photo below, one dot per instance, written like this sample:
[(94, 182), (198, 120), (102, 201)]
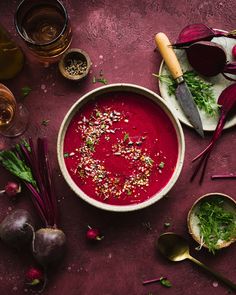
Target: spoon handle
[(214, 273)]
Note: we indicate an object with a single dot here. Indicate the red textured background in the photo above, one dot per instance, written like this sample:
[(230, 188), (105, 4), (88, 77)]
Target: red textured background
[(118, 36)]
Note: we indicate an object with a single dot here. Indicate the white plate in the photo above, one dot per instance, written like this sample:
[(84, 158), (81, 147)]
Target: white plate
[(219, 84)]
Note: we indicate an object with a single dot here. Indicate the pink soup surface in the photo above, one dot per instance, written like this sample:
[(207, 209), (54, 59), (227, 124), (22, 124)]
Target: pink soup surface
[(121, 148)]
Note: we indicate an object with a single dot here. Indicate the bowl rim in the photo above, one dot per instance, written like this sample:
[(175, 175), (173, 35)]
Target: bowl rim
[(112, 88), (190, 212)]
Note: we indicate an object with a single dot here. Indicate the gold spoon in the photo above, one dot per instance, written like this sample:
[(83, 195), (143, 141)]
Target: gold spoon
[(176, 248)]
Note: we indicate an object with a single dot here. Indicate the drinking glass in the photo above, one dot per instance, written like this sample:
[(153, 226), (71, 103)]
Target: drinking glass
[(13, 116), (44, 26)]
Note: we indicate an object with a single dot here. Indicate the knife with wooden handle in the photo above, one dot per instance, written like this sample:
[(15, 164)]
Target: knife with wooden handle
[(182, 92)]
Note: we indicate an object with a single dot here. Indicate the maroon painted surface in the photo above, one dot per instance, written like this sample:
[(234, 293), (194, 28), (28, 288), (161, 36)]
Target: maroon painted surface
[(118, 35)]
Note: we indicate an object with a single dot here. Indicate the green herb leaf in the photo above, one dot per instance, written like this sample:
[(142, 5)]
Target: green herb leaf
[(25, 91), (161, 165), (45, 122), (12, 163), (167, 224), (165, 282), (66, 155), (216, 223), (126, 137)]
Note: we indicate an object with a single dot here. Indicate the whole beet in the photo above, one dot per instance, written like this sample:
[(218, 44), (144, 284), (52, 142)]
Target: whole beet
[(16, 229), (49, 246)]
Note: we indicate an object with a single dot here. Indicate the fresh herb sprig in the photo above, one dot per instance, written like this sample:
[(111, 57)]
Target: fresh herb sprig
[(201, 90), (216, 223)]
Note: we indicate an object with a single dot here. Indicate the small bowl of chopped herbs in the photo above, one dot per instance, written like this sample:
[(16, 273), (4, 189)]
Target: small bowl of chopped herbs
[(75, 64), (212, 221)]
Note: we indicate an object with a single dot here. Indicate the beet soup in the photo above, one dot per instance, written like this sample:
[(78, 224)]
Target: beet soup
[(121, 148)]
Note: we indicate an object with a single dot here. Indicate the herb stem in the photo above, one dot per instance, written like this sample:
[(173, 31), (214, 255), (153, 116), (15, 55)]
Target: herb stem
[(223, 176), (146, 282)]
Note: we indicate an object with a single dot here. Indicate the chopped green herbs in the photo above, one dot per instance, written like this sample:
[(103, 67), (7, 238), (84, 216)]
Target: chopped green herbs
[(161, 165), (66, 155), (100, 80), (165, 282), (167, 224), (201, 90), (25, 91), (126, 137), (216, 223), (45, 122)]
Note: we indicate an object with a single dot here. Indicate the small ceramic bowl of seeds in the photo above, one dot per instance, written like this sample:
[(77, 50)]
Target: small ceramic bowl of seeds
[(75, 64), (212, 221)]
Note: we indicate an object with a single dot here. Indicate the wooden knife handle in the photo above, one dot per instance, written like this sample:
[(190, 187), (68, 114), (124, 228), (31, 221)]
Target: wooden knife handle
[(168, 55)]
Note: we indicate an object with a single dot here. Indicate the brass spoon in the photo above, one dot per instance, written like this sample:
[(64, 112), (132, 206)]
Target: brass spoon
[(176, 248)]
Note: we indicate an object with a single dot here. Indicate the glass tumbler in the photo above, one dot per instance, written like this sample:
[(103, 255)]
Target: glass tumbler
[(45, 28), (13, 117)]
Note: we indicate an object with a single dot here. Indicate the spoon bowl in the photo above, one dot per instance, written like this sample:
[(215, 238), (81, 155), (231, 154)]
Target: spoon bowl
[(173, 246), (176, 248)]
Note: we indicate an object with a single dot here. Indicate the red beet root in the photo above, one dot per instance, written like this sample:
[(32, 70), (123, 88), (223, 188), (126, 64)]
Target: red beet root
[(49, 246), (93, 234), (17, 228)]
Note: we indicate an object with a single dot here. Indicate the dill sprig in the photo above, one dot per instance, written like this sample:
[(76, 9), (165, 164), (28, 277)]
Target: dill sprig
[(201, 90), (216, 223)]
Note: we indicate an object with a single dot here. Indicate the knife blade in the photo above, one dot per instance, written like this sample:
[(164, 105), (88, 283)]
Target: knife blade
[(182, 92)]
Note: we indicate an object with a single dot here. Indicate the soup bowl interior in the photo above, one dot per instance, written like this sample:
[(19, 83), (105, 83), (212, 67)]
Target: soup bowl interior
[(92, 96)]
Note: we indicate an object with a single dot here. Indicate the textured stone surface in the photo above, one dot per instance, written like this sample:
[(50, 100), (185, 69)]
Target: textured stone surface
[(118, 35)]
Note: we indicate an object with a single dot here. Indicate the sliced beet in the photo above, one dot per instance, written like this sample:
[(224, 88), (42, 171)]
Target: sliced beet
[(206, 58)]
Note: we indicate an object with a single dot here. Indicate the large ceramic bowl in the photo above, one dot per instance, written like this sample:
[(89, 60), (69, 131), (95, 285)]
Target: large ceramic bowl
[(137, 90)]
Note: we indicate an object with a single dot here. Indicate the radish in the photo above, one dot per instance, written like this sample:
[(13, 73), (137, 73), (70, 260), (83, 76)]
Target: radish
[(17, 228), (93, 234), (11, 189), (34, 276)]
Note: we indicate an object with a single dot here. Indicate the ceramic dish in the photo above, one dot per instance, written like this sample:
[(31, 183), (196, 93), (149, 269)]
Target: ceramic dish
[(75, 64), (193, 220), (93, 96), (219, 84)]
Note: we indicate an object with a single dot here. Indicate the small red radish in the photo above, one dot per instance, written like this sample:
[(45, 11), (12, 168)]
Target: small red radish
[(93, 234), (11, 189), (34, 276)]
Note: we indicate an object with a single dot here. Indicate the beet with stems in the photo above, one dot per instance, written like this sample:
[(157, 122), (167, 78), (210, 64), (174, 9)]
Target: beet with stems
[(49, 243), (32, 166), (17, 228)]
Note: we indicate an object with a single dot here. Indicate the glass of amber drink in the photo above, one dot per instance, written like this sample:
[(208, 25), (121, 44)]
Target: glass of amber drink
[(13, 116), (44, 26)]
